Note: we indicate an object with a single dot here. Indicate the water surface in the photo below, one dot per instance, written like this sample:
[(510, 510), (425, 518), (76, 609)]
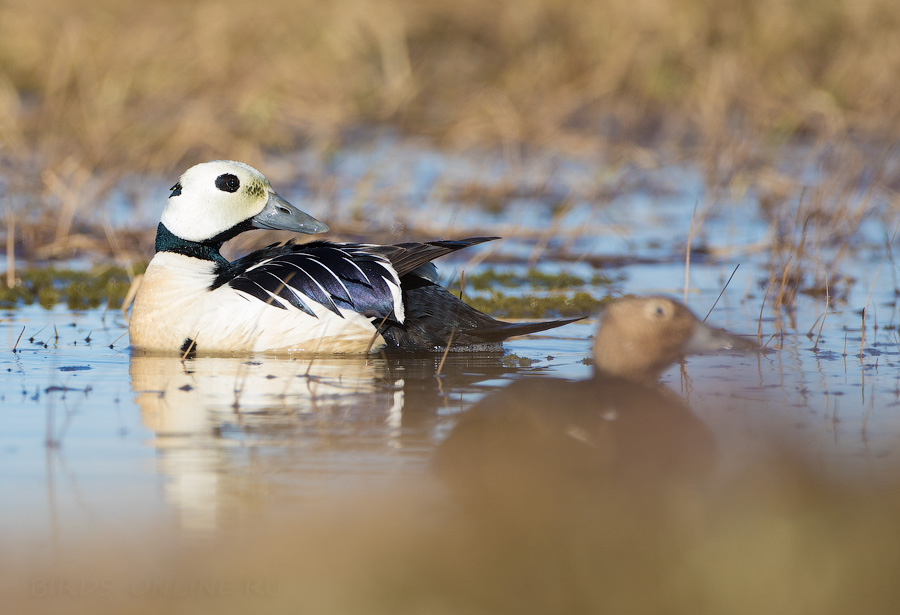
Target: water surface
[(147, 457)]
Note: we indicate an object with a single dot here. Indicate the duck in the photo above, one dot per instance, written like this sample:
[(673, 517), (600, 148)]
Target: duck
[(621, 427), (317, 296)]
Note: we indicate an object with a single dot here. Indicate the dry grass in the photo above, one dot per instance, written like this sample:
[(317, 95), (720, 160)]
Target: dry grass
[(121, 85), (92, 92)]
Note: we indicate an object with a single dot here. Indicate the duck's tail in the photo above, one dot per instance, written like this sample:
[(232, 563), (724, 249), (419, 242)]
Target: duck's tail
[(502, 330), (435, 318)]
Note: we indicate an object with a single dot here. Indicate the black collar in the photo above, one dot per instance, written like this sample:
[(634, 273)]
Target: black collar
[(167, 241)]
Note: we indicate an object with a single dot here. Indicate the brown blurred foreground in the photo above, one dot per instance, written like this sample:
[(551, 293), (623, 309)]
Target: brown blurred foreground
[(769, 538)]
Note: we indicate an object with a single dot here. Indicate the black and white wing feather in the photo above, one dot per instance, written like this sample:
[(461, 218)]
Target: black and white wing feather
[(337, 276), (393, 285)]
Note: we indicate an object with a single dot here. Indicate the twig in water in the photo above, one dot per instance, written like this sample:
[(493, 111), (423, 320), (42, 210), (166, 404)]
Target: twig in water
[(36, 333), (869, 410), (446, 350), (131, 294), (687, 254), (239, 390), (21, 333), (809, 334), (377, 331), (761, 308), (872, 288), (187, 350), (721, 292), (10, 247), (824, 315), (123, 335), (316, 356), (862, 338)]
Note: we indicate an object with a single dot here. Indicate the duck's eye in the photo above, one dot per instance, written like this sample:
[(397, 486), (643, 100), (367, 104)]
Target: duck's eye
[(228, 182), (657, 311), (176, 190)]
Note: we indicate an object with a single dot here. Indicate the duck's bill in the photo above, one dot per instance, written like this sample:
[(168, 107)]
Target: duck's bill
[(710, 339), (279, 215)]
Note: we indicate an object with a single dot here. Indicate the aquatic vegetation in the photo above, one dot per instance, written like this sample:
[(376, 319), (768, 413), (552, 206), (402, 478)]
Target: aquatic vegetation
[(531, 306), (91, 289), (534, 278), (514, 360), (561, 294), (77, 289)]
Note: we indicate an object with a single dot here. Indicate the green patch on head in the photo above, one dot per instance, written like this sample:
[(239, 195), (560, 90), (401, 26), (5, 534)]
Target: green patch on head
[(257, 189)]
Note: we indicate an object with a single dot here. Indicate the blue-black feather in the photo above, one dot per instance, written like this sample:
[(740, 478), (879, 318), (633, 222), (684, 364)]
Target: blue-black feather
[(335, 276), (356, 277)]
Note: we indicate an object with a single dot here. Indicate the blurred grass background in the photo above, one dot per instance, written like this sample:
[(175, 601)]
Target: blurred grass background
[(95, 94), (123, 86)]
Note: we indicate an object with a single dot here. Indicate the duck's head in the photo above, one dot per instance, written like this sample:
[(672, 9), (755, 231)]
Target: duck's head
[(639, 337), (215, 201)]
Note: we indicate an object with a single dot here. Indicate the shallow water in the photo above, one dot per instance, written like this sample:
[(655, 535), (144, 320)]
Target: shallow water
[(153, 454)]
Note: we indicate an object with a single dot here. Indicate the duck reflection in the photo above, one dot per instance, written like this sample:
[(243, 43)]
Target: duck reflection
[(621, 428), (230, 430)]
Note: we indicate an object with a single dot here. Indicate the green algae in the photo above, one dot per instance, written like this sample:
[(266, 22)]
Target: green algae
[(77, 289), (560, 305), (534, 278), (555, 295), (109, 285), (514, 360)]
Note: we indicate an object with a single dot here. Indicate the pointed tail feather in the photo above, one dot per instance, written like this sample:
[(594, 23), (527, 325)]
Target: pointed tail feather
[(505, 330), (434, 316)]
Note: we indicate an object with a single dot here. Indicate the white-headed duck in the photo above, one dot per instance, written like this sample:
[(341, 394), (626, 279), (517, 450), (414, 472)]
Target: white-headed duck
[(318, 296)]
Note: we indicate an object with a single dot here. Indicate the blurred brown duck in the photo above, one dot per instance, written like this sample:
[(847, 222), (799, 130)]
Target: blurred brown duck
[(621, 426)]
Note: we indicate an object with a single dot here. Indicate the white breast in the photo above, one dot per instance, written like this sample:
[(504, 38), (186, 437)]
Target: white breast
[(174, 305)]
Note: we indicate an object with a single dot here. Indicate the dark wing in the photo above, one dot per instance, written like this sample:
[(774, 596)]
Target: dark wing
[(370, 279), (407, 257), (336, 276), (360, 277)]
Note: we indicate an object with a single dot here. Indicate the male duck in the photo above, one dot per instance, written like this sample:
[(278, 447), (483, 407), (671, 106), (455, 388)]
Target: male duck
[(319, 296), (621, 425)]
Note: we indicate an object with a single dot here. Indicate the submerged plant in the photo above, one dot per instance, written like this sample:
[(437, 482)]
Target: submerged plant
[(78, 289)]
